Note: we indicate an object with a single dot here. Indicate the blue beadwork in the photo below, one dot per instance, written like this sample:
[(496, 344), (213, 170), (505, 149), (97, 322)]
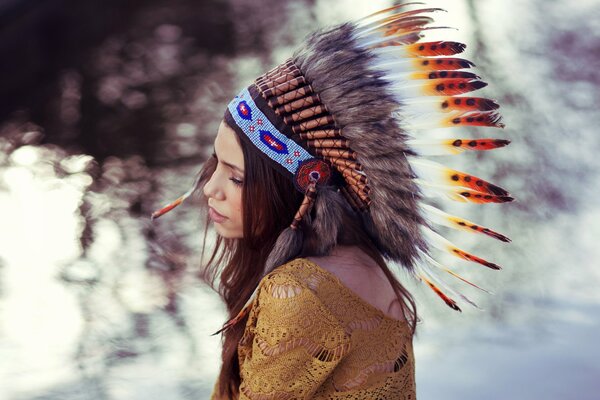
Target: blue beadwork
[(261, 132), (244, 111), (276, 145)]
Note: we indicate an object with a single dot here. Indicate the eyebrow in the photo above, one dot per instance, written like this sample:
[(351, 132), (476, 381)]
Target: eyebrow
[(229, 164)]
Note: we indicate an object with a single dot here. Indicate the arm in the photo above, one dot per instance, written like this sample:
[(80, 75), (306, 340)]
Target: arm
[(294, 345)]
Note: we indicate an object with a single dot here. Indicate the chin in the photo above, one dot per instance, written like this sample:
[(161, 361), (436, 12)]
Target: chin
[(227, 233)]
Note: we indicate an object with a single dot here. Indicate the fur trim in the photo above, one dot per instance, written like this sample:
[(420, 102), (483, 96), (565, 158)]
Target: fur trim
[(364, 110), (329, 210), (287, 246)]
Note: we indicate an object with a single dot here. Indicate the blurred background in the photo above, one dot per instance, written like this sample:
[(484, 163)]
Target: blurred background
[(108, 109)]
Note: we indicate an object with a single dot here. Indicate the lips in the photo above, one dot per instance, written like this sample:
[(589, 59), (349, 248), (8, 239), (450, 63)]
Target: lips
[(215, 216)]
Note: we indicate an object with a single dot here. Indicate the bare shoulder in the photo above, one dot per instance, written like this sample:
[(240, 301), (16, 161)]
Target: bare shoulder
[(363, 276)]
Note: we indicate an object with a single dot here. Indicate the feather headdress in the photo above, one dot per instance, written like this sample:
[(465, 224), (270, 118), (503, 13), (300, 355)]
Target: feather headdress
[(343, 118)]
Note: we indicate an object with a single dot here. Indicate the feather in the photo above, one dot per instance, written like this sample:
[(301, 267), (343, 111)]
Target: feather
[(439, 217), (443, 244), (450, 87), (440, 282), (449, 271), (394, 63), (237, 318), (177, 202), (438, 147), (441, 63), (447, 104), (388, 25), (491, 119), (459, 194), (440, 174), (402, 24), (425, 49), (449, 302), (362, 21), (402, 38), (447, 120), (441, 75), (405, 39), (434, 87)]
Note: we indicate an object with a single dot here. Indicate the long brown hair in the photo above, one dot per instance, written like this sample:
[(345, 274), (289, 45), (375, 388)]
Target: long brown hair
[(270, 202)]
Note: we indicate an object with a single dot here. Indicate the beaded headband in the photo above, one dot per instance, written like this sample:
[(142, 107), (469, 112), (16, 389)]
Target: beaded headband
[(282, 116)]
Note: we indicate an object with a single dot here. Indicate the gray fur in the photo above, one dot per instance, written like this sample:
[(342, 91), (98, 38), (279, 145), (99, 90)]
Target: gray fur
[(363, 108), (329, 207), (287, 246)]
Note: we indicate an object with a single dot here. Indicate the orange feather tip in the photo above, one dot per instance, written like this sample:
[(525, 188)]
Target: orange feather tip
[(470, 181), (235, 319), (477, 197), (486, 118), (477, 228), (470, 257), (451, 87), (166, 208), (441, 64), (442, 75), (468, 104), (439, 48), (479, 144), (449, 302)]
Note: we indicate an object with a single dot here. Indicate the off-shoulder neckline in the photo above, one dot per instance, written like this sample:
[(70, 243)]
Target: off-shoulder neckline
[(352, 292)]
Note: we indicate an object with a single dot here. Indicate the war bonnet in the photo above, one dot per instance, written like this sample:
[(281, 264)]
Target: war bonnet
[(346, 117)]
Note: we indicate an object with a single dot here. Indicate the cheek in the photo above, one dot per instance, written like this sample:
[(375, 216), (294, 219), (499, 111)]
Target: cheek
[(237, 205), (234, 227)]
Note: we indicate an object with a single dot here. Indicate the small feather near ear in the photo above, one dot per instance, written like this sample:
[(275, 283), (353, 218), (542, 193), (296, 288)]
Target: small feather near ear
[(287, 246)]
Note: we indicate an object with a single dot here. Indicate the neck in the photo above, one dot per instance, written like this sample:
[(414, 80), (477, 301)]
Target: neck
[(350, 255)]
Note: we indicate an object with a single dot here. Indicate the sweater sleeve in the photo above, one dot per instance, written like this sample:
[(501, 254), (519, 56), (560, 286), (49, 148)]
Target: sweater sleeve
[(293, 345)]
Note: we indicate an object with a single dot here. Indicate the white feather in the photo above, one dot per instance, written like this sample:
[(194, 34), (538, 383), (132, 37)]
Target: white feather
[(434, 147)]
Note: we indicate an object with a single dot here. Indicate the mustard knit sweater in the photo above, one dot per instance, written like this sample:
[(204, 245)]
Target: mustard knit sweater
[(309, 336)]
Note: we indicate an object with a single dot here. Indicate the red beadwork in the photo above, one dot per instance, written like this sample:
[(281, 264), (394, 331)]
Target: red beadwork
[(312, 169)]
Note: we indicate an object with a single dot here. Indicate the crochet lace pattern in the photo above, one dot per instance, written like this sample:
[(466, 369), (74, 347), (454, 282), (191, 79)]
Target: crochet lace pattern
[(308, 336)]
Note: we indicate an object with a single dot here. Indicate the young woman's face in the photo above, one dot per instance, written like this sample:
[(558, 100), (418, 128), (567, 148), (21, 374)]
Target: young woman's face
[(224, 188)]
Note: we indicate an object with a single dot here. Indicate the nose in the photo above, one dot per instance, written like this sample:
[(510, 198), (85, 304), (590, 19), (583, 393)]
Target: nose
[(212, 188)]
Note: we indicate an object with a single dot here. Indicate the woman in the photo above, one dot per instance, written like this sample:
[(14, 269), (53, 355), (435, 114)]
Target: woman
[(237, 182), (314, 184)]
